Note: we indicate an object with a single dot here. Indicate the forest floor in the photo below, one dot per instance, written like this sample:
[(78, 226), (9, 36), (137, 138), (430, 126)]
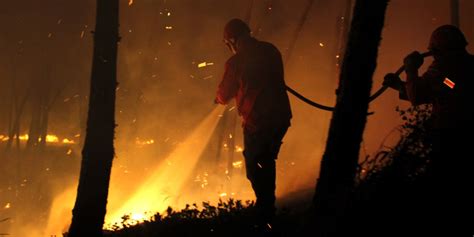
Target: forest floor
[(228, 218)]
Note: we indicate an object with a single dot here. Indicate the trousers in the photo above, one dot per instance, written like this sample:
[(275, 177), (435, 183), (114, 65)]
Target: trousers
[(261, 150)]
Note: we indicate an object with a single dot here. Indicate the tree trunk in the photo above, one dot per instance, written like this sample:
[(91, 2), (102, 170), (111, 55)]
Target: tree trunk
[(98, 152), (14, 133), (36, 117), (339, 162)]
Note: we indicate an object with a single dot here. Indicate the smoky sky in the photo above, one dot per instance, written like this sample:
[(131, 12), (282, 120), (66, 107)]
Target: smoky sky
[(48, 44)]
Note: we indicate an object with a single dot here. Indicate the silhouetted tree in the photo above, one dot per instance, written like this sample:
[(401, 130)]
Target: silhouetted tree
[(340, 159), (98, 152)]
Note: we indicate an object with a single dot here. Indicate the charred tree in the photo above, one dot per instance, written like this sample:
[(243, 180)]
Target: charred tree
[(45, 119), (16, 115), (340, 159), (98, 151), (35, 122)]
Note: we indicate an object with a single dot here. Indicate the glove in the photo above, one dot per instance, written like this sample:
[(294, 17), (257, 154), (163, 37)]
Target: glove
[(393, 81), (413, 61)]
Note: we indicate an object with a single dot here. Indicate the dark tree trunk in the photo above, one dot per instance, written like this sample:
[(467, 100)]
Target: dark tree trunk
[(35, 123), (339, 162), (14, 132), (98, 152), (45, 119)]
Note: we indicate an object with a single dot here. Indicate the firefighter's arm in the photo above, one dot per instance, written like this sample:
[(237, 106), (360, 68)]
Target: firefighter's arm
[(419, 89), (229, 85), (422, 89), (393, 81)]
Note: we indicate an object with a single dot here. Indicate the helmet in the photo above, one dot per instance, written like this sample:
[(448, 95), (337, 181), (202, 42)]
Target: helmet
[(235, 29), (447, 37)]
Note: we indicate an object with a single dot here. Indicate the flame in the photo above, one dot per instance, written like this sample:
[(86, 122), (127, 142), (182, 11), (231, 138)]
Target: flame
[(52, 138), (239, 149), (237, 164), (23, 137), (67, 141), (141, 143)]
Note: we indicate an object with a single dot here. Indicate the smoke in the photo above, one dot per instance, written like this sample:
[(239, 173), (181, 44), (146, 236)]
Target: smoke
[(164, 187), (164, 95)]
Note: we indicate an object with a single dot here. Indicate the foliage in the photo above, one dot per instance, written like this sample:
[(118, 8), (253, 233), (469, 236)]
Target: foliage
[(408, 158), (390, 185), (229, 218)]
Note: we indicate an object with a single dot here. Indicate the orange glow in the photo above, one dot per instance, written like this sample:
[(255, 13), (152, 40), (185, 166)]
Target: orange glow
[(141, 143), (67, 141), (4, 138), (163, 188), (50, 138), (239, 149), (237, 164), (24, 137)]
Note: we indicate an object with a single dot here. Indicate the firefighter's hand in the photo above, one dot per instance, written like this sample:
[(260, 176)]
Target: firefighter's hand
[(413, 61), (393, 81), (216, 101)]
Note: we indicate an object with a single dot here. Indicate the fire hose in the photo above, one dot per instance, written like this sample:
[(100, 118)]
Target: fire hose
[(371, 98)]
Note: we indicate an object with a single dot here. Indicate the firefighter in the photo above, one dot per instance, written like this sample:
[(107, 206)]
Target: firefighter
[(448, 86), (254, 78)]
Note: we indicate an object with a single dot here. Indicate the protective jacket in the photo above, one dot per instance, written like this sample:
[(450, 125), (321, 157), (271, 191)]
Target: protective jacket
[(448, 85), (254, 77)]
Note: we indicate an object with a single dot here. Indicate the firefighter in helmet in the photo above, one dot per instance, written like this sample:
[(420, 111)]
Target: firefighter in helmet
[(254, 78), (448, 86)]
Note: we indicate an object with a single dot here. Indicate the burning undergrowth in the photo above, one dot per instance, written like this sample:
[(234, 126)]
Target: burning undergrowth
[(229, 218)]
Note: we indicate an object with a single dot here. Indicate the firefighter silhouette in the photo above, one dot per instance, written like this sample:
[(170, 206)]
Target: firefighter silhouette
[(254, 78), (448, 86)]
